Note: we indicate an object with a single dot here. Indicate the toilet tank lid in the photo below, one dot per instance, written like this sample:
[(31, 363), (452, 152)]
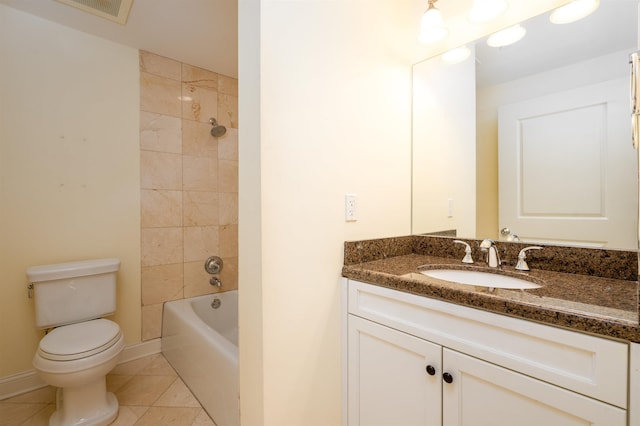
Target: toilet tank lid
[(80, 268)]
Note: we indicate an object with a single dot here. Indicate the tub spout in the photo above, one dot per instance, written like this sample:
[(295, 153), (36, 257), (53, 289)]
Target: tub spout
[(215, 281)]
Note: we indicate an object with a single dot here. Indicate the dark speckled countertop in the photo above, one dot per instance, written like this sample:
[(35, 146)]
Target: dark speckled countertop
[(589, 290)]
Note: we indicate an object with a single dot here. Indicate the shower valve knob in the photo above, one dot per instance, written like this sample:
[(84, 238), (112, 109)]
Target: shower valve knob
[(213, 265)]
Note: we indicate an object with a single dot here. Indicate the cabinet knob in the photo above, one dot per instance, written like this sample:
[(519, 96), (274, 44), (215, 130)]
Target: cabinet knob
[(431, 370), (447, 377)]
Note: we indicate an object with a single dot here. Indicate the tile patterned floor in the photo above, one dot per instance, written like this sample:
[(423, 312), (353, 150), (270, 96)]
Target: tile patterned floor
[(148, 389)]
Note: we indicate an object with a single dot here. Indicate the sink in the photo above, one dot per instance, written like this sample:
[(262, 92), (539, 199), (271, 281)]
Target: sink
[(479, 278)]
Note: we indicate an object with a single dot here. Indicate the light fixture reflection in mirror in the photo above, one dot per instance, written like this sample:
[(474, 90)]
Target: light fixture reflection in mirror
[(574, 11), (457, 55), (507, 36), (486, 10), (432, 29)]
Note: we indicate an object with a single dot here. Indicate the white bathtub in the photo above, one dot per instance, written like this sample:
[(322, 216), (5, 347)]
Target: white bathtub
[(201, 343)]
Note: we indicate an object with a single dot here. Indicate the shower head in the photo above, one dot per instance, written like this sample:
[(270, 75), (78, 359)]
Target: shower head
[(218, 129)]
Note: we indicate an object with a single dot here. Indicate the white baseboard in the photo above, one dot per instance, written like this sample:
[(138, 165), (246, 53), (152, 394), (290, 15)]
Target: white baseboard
[(19, 383), (140, 350), (26, 381)]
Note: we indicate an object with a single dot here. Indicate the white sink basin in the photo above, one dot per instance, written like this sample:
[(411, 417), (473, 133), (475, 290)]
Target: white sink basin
[(478, 278)]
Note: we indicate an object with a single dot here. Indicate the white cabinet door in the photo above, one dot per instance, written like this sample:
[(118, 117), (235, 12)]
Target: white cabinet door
[(483, 394), (387, 378)]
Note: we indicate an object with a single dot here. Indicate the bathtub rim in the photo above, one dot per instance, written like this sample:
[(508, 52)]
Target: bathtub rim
[(184, 312)]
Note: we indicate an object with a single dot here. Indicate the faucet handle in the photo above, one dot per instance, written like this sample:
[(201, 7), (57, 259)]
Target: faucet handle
[(467, 250), (522, 263)]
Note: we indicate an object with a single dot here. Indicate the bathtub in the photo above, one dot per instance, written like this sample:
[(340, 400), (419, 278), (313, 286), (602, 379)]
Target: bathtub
[(201, 343)]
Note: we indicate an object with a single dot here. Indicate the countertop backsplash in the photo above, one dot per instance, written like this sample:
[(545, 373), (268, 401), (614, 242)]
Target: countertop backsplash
[(606, 263)]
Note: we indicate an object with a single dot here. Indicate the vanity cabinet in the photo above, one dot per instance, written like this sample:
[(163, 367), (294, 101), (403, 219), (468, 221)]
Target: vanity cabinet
[(388, 379), (418, 361)]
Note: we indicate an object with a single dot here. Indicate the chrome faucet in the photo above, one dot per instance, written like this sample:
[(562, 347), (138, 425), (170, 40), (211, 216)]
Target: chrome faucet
[(493, 258)]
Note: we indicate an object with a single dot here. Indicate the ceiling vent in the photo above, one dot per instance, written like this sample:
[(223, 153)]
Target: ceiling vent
[(114, 10)]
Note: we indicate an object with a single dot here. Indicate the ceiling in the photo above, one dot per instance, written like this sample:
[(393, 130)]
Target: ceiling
[(612, 28), (203, 33)]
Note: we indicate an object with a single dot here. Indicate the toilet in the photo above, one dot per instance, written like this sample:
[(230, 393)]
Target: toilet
[(76, 355)]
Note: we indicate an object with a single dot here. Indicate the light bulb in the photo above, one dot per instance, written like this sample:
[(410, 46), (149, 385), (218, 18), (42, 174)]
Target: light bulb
[(573, 11), (432, 29)]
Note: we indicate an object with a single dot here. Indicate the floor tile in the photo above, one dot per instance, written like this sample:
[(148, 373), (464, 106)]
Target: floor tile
[(15, 414), (115, 382), (148, 390), (138, 410), (203, 419), (41, 418), (169, 416), (143, 390), (178, 395), (133, 367), (127, 416), (159, 366)]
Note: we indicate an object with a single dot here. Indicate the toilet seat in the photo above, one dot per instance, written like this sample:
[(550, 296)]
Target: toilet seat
[(80, 340)]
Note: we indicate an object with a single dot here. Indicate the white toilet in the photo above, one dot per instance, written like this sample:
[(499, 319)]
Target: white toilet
[(77, 355)]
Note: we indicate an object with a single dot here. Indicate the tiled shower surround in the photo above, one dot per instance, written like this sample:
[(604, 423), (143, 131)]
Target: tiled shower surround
[(188, 183)]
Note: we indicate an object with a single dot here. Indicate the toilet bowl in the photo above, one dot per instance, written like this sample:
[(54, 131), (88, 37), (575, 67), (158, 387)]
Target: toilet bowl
[(77, 354), (76, 359)]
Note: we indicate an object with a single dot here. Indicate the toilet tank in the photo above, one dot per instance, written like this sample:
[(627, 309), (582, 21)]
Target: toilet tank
[(72, 292)]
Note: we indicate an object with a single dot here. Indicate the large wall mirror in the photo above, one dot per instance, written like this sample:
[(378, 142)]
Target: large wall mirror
[(534, 137)]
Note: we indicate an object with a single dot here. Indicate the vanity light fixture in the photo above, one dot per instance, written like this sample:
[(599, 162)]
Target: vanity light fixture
[(457, 55), (486, 10), (432, 29), (573, 11), (507, 36)]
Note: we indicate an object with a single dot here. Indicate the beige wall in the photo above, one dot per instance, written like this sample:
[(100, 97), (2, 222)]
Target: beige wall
[(326, 101), (189, 183), (325, 107), (69, 167), (325, 110)]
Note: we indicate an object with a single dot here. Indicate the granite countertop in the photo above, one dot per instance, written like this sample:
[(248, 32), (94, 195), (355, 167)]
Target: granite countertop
[(584, 302)]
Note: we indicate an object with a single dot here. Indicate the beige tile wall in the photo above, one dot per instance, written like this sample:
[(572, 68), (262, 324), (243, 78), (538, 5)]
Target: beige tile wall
[(188, 183)]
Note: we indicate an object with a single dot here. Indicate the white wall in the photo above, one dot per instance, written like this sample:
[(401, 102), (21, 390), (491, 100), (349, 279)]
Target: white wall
[(250, 216), (333, 91), (69, 167)]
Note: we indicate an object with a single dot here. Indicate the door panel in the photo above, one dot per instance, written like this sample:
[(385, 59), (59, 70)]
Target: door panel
[(571, 183), (388, 383)]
